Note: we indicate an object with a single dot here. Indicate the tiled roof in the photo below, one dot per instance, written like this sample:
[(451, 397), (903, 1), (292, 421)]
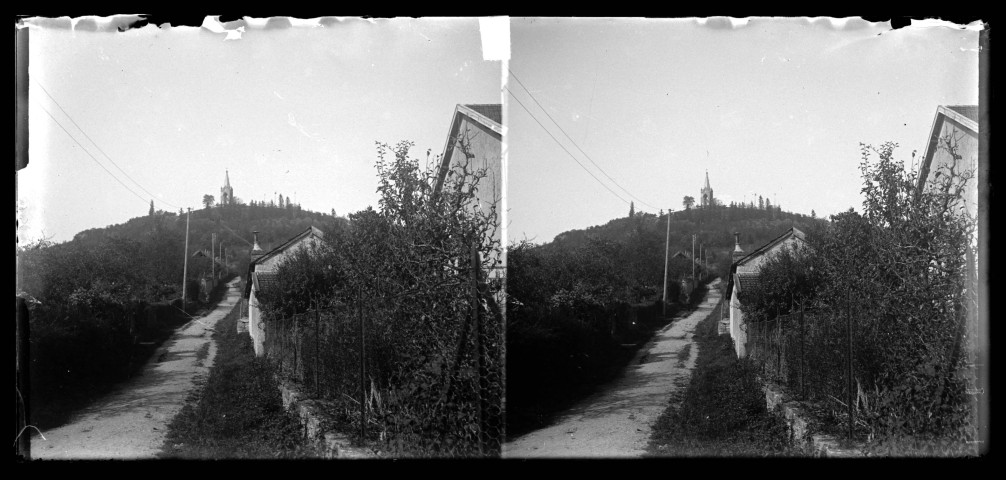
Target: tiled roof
[(312, 230), (265, 281), (969, 111), (747, 282), (492, 110)]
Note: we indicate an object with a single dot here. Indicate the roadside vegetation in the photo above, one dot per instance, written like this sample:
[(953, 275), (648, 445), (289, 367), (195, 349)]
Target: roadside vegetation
[(576, 315), (99, 305), (894, 286), (722, 410), (238, 413), (410, 277)]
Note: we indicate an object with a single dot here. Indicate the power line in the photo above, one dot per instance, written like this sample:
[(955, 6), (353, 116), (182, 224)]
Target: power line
[(96, 144), (92, 156), (563, 146), (573, 141)]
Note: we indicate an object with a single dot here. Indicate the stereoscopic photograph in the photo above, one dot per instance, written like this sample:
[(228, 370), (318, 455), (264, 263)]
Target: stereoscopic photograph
[(358, 238)]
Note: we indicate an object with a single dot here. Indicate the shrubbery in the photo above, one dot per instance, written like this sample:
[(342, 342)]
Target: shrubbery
[(575, 316), (406, 269), (901, 270)]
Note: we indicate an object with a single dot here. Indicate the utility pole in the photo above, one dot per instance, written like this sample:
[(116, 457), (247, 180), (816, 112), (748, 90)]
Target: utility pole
[(693, 258), (213, 257), (667, 253), (185, 267)]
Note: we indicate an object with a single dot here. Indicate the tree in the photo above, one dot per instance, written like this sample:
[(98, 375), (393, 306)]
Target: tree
[(151, 212), (208, 200), (688, 202), (281, 200), (632, 209), (761, 203), (813, 214), (897, 279)]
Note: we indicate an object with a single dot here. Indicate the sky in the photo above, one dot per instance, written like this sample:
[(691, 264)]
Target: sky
[(294, 110), (775, 107)]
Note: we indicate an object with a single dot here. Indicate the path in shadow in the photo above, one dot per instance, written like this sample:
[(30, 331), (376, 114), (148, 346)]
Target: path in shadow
[(132, 421), (616, 421)]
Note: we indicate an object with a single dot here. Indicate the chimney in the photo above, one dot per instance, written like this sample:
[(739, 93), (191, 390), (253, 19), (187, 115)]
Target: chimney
[(256, 250), (738, 253)]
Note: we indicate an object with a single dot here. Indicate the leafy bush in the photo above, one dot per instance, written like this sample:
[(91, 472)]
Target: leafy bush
[(406, 268), (901, 270)]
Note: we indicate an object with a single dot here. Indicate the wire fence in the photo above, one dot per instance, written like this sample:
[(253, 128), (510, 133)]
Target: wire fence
[(419, 379), (837, 358)]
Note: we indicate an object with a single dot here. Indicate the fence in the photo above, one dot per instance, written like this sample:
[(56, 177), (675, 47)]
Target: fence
[(838, 358), (420, 376)]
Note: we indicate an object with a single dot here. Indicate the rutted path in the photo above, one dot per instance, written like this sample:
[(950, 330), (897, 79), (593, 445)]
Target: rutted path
[(616, 421), (132, 422)]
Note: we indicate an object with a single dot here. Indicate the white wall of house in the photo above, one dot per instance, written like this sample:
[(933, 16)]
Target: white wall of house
[(256, 329), (738, 330)]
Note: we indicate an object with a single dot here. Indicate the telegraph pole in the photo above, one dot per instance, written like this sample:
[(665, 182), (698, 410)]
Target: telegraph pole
[(667, 252), (185, 268), (213, 257), (693, 258)]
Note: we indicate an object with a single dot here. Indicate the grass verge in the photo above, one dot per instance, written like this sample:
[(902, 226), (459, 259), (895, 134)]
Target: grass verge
[(722, 410), (238, 414)]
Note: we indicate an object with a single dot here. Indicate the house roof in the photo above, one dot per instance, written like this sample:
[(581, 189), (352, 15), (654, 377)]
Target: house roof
[(964, 115), (271, 253), (265, 281), (747, 281), (488, 115), (289, 243), (969, 111), (772, 243), (756, 253), (492, 111)]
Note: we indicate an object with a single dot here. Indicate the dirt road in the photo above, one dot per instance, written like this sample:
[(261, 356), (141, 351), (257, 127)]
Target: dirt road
[(131, 422), (616, 421)]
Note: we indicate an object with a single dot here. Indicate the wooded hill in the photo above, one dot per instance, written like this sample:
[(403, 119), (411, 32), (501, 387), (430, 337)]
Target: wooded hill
[(642, 235), (100, 303), (156, 242)]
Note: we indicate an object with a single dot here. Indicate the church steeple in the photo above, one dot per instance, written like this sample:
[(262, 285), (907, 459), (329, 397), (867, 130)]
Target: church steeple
[(707, 194), (226, 192)]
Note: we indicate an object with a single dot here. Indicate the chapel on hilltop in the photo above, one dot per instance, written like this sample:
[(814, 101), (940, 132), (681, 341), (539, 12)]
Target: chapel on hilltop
[(707, 194), (226, 192)]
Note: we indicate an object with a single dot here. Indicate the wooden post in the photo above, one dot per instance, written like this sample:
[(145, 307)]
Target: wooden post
[(317, 344), (693, 263), (803, 353), (667, 253), (363, 368), (478, 340), (848, 327), (185, 267)]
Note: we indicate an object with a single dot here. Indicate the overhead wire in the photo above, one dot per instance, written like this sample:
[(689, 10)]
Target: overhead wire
[(519, 82), (70, 117), (563, 146), (144, 200)]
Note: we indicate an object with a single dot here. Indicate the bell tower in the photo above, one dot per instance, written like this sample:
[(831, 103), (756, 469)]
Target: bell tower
[(707, 193), (226, 192)]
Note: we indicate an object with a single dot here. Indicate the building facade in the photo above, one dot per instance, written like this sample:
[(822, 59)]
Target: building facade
[(476, 135), (262, 277), (744, 276)]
